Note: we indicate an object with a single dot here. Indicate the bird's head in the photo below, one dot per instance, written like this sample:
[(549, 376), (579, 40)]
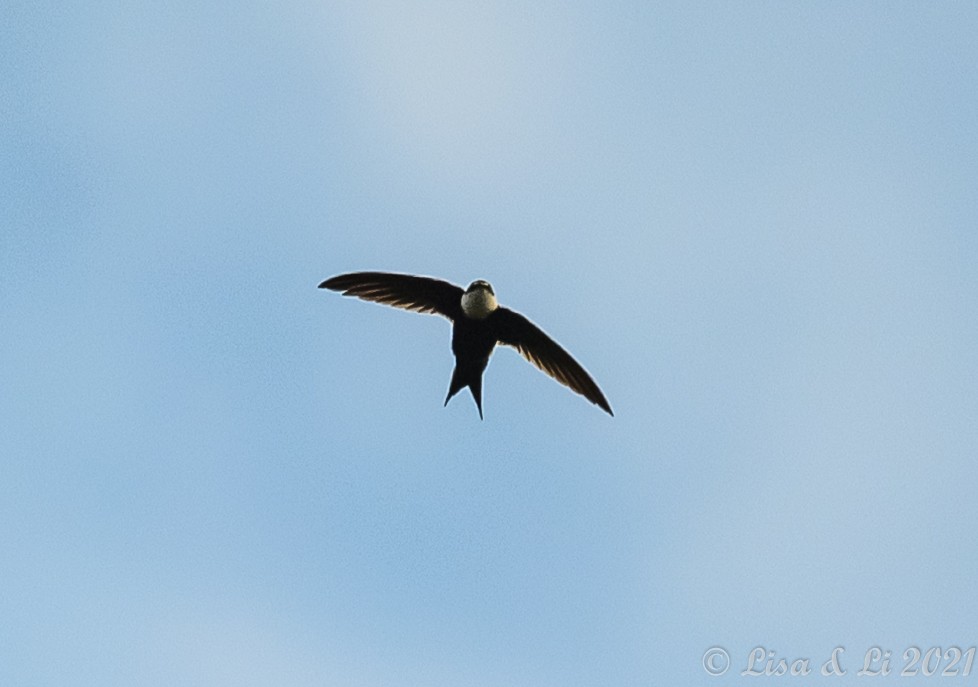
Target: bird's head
[(479, 300), (480, 284)]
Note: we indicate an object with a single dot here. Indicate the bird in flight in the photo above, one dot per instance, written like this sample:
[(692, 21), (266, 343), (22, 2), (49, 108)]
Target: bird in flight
[(478, 324)]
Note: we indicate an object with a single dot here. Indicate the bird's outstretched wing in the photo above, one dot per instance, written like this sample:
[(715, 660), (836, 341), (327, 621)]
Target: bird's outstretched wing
[(420, 294), (533, 344)]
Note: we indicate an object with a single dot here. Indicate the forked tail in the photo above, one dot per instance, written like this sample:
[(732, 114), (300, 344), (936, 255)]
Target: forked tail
[(474, 384)]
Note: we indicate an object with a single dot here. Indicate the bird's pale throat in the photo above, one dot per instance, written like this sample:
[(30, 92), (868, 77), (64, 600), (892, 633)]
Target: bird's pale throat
[(478, 303)]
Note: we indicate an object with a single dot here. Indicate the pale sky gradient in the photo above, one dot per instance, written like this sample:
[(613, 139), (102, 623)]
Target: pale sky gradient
[(756, 225)]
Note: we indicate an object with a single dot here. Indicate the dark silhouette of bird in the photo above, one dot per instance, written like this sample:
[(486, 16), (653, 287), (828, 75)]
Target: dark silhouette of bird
[(478, 324)]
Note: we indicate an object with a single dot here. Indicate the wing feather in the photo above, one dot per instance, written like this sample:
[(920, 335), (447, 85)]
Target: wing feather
[(419, 294), (513, 329)]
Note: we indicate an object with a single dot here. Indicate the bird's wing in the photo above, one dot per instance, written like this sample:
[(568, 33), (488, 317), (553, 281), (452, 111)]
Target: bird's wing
[(421, 294), (533, 344)]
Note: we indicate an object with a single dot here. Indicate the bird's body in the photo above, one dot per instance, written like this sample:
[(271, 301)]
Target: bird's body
[(478, 324), (472, 344)]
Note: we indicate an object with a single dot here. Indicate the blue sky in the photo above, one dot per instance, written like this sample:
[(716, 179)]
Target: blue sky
[(754, 223)]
